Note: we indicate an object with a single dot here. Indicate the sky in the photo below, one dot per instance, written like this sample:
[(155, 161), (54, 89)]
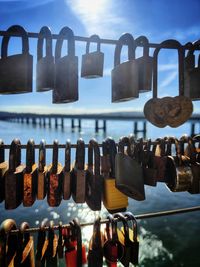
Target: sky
[(158, 20)]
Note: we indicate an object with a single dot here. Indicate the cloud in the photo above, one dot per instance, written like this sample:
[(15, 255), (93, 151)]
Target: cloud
[(169, 79), (167, 67), (99, 16)]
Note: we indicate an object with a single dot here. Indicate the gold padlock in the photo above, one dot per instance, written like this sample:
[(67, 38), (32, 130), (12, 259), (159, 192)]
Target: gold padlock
[(3, 169), (113, 199)]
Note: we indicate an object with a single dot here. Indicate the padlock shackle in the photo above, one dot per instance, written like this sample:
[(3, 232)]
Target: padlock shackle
[(177, 46), (93, 150), (120, 216), (14, 154), (192, 49), (67, 156), (2, 151), (96, 236), (45, 33), (80, 154), (42, 155), (123, 141), (65, 34), (55, 157), (132, 147), (22, 33), (161, 143), (125, 39), (93, 38), (113, 223), (41, 238), (112, 151), (79, 241), (131, 217), (142, 40), (30, 155)]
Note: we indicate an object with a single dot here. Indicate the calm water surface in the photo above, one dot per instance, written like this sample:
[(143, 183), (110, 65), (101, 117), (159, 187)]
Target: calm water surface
[(166, 241)]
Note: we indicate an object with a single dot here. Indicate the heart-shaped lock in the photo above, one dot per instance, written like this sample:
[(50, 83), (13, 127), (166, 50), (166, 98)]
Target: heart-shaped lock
[(172, 111)]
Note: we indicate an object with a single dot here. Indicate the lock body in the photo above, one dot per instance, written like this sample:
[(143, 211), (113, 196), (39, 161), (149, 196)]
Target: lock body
[(66, 81), (78, 185), (92, 65), (3, 169), (30, 187), (45, 71), (41, 184), (125, 81), (145, 69), (16, 74), (66, 185)]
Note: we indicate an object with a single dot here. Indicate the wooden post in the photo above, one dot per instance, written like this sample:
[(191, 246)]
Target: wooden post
[(193, 129), (44, 122), (104, 126), (96, 126), (62, 123), (49, 122), (135, 130), (79, 124), (56, 123), (72, 124), (27, 120)]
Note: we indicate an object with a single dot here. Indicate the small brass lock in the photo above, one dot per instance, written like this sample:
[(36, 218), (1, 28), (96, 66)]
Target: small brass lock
[(16, 71), (125, 76), (92, 62), (45, 68)]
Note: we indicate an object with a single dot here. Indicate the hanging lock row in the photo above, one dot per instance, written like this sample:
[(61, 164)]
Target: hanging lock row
[(110, 244), (111, 177)]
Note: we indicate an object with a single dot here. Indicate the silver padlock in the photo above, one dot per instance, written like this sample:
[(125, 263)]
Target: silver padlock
[(125, 76), (92, 62)]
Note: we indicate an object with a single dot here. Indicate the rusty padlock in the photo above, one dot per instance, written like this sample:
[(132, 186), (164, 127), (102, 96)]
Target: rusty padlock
[(178, 172), (92, 62), (30, 176), (125, 76), (67, 172), (8, 243), (16, 71), (45, 68), (192, 75), (113, 199), (3, 169), (79, 174), (66, 70), (145, 65), (51, 251), (14, 177), (60, 242), (55, 179), (42, 172), (25, 248), (94, 180)]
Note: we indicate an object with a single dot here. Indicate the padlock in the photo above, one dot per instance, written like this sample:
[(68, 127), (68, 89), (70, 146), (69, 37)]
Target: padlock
[(3, 169), (124, 239), (78, 181), (125, 76), (145, 65), (42, 243), (92, 62), (192, 75), (42, 172), (133, 236), (66, 69), (171, 111), (113, 199), (30, 176), (8, 243), (194, 165), (45, 68), (75, 253), (148, 166), (51, 251), (129, 174), (178, 172), (14, 177), (25, 248), (60, 242), (95, 253), (67, 172), (55, 179), (112, 248), (94, 180), (16, 71)]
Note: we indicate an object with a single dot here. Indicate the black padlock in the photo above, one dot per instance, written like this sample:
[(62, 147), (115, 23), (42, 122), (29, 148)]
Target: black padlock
[(30, 176), (92, 62), (55, 179), (42, 172), (66, 70), (125, 78), (3, 169), (51, 252), (78, 180), (94, 180), (67, 172), (45, 68), (16, 71), (14, 177), (145, 65)]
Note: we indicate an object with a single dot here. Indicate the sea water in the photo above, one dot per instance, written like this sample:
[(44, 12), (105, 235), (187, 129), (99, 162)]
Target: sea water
[(165, 241)]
